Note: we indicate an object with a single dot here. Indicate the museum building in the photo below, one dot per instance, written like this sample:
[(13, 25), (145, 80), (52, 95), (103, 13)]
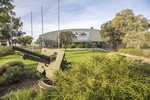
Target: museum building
[(83, 36)]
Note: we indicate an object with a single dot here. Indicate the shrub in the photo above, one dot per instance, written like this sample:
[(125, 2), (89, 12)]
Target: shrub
[(35, 74), (27, 94), (10, 71), (72, 45), (146, 53), (69, 46), (80, 46), (4, 50), (88, 45), (63, 46), (98, 78), (103, 78)]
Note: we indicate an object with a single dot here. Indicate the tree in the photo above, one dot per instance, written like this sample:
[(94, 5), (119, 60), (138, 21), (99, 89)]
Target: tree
[(140, 25), (110, 34), (138, 40), (125, 28), (25, 40), (37, 41), (66, 37), (147, 37), (15, 41), (8, 21)]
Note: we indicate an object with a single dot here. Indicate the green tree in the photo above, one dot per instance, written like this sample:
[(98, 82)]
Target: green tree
[(66, 37), (147, 37), (8, 21), (25, 40), (110, 34), (125, 27), (37, 41), (15, 41), (135, 38)]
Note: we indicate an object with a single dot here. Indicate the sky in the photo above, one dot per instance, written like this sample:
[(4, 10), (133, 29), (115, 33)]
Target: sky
[(73, 13)]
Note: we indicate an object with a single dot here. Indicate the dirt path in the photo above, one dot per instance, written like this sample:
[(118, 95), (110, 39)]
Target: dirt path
[(144, 59)]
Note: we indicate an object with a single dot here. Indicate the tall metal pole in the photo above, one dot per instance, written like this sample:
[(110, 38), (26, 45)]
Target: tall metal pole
[(31, 31), (42, 26), (58, 24)]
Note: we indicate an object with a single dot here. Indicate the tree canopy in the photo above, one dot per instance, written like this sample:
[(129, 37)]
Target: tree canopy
[(25, 40), (37, 41), (126, 28), (66, 37), (9, 24)]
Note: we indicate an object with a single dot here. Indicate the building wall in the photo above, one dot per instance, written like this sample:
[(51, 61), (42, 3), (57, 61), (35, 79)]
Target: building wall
[(92, 35)]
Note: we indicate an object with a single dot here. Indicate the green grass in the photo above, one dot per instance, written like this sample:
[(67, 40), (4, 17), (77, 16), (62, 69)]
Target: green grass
[(81, 55), (29, 65), (71, 56)]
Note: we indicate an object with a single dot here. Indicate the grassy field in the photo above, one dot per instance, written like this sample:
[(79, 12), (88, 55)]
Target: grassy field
[(71, 56), (81, 55), (29, 65)]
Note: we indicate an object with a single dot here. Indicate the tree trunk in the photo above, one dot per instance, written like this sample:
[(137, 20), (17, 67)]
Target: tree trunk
[(9, 42), (114, 45)]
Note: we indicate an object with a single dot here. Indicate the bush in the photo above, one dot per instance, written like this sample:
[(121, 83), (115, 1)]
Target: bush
[(63, 46), (27, 94), (80, 46), (10, 71), (72, 45), (88, 45), (4, 50), (140, 52), (35, 74), (98, 78), (103, 78)]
